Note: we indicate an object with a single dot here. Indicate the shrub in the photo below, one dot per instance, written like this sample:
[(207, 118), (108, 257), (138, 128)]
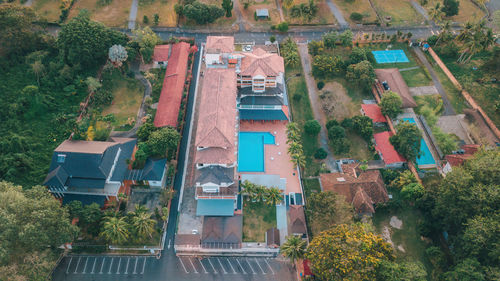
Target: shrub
[(145, 19), (357, 17), (312, 127), (320, 153), (282, 27), (297, 97), (331, 123), (320, 85), (156, 19), (272, 38)]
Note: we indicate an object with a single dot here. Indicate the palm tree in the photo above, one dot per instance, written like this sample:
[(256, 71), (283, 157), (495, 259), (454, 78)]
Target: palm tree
[(299, 159), (115, 230), (273, 196), (248, 189), (445, 30), (260, 192), (38, 69), (294, 248), (488, 39), (294, 147), (436, 13), (466, 32), (144, 224), (139, 209)]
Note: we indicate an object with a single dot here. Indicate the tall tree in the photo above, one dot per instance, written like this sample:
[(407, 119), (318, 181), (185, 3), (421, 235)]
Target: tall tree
[(450, 7), (294, 248), (273, 196), (326, 209), (390, 104), (163, 141), (19, 34), (143, 224), (405, 271), (227, 5), (407, 140), (115, 230), (361, 73), (347, 252)]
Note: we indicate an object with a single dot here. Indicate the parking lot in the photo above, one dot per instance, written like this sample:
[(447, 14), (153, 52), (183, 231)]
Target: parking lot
[(81, 265), (229, 265)]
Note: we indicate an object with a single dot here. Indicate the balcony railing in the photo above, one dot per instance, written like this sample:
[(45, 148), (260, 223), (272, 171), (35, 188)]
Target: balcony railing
[(273, 107)]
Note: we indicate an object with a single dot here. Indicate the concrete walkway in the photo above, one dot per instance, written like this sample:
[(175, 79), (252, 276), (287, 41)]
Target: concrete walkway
[(28, 3), (280, 10), (316, 105), (133, 14), (448, 108), (421, 10), (239, 17), (337, 14)]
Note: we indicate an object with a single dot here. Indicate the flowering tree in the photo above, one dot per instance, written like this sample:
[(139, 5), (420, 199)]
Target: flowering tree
[(117, 55)]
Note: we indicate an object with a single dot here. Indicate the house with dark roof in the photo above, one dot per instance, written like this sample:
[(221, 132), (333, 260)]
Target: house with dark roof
[(222, 232), (360, 188), (386, 150), (89, 171), (297, 221), (153, 173), (458, 157), (395, 82), (270, 105)]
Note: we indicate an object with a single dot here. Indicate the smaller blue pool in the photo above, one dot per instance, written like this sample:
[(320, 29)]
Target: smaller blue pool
[(425, 157), (251, 150), (390, 56)]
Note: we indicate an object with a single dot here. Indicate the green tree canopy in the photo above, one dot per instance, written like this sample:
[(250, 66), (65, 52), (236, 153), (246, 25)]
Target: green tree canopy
[(294, 248), (163, 141), (361, 73), (363, 126), (326, 209), (390, 104), (312, 127), (202, 13), (347, 252), (450, 7), (405, 271), (227, 5), (407, 140), (85, 42)]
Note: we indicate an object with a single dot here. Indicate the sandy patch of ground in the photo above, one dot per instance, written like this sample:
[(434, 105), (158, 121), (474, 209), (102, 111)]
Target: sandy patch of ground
[(386, 234), (396, 223), (335, 102)]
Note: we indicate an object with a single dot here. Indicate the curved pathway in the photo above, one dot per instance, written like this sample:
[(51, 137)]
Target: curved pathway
[(316, 105)]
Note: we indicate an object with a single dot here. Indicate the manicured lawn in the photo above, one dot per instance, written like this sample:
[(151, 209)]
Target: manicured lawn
[(164, 8), (416, 77), (400, 11), (301, 112), (48, 9), (360, 6), (258, 217), (114, 15), (127, 93), (324, 16), (467, 11)]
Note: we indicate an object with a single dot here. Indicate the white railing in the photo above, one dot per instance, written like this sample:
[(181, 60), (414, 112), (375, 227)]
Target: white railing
[(274, 107)]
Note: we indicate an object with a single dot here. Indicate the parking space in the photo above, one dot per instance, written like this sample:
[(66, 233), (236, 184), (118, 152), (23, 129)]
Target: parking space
[(229, 265), (106, 265)]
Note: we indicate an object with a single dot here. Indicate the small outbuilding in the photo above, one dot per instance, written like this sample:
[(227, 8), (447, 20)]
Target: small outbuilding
[(262, 13)]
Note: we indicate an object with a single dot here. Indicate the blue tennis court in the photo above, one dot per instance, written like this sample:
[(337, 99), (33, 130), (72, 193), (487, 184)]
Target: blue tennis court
[(390, 56)]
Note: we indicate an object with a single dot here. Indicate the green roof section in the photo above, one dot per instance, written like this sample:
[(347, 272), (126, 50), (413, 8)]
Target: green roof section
[(215, 207)]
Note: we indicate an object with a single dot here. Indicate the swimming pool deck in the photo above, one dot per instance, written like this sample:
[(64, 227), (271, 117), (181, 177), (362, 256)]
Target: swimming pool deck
[(276, 159)]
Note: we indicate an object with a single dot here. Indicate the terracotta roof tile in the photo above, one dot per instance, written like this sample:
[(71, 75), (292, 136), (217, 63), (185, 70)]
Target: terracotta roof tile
[(260, 62), (220, 44), (173, 86), (373, 111), (297, 220), (397, 85), (161, 52), (384, 147)]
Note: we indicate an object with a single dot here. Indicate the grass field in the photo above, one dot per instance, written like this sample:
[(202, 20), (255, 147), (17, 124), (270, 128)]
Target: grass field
[(258, 217), (416, 77), (360, 6), (301, 112), (48, 9), (164, 8), (324, 15), (114, 15), (467, 11), (311, 186), (400, 11), (127, 99)]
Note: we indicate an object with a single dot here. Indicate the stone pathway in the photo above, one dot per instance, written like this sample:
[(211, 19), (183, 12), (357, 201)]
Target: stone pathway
[(338, 14), (133, 14), (409, 68), (316, 105), (448, 108)]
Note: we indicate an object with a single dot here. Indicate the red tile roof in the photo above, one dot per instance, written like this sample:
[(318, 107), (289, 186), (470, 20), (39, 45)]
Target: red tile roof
[(459, 159), (161, 53), (173, 86), (220, 44), (373, 111), (260, 62), (384, 147)]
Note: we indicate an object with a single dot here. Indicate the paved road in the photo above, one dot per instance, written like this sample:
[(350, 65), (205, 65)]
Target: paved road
[(133, 14), (337, 14), (316, 105), (448, 108)]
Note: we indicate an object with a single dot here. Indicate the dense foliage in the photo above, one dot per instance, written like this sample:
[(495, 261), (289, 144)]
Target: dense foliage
[(202, 13), (326, 209), (390, 104), (406, 141)]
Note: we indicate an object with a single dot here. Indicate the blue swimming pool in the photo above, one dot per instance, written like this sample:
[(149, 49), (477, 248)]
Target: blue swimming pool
[(251, 150), (425, 157), (390, 56)]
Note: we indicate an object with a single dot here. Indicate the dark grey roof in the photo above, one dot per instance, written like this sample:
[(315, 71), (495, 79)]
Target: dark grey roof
[(247, 91), (81, 169), (261, 100), (215, 174), (152, 171), (85, 199), (273, 237), (222, 229), (265, 115)]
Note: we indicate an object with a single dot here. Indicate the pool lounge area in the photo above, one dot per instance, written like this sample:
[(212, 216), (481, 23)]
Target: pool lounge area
[(251, 150), (390, 56), (425, 158)]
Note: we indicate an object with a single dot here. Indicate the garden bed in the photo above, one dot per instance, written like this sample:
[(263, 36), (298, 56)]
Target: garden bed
[(258, 217)]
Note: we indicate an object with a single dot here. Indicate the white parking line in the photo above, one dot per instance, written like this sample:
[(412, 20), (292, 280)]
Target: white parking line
[(85, 267), (143, 265), (183, 266), (69, 264), (209, 261), (93, 266), (77, 264), (223, 269), (102, 265), (242, 269), (269, 266), (229, 261), (119, 263), (204, 269), (263, 272), (195, 271), (111, 265), (126, 269), (253, 271), (135, 267)]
